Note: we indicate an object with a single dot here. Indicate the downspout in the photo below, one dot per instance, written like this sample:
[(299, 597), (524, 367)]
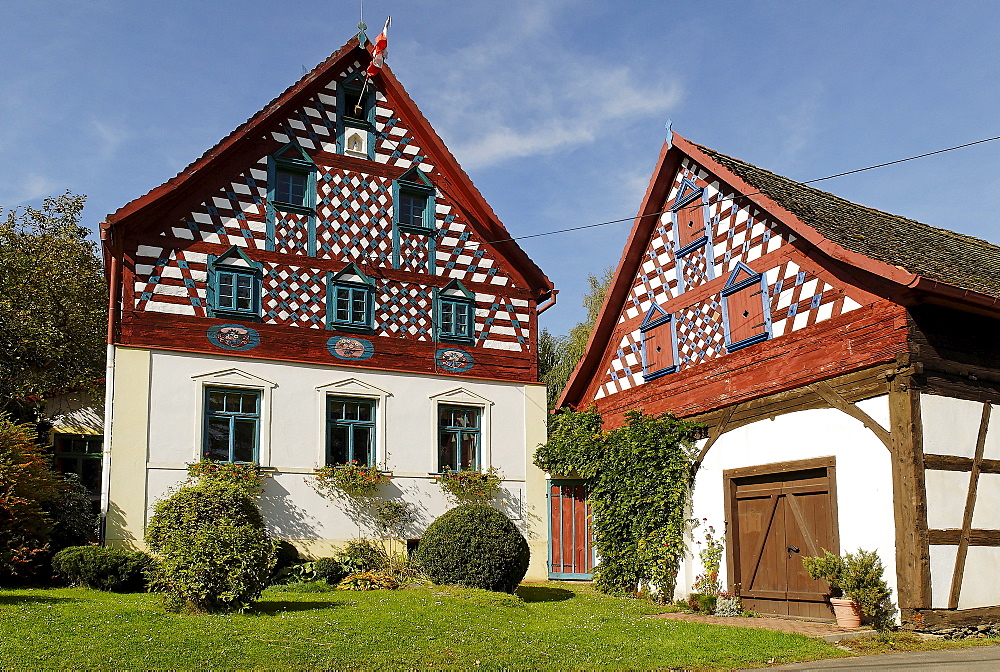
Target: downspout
[(114, 272)]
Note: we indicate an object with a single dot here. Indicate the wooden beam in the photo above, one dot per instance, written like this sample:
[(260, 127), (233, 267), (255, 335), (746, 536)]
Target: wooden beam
[(715, 433), (970, 507), (953, 537), (947, 618), (913, 567), (830, 395), (959, 463)]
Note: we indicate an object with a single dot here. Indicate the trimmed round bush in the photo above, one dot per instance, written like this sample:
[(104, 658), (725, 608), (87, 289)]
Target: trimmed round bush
[(330, 570), (475, 546), (114, 569), (215, 554)]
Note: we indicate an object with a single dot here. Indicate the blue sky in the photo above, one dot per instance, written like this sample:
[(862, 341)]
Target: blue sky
[(556, 108)]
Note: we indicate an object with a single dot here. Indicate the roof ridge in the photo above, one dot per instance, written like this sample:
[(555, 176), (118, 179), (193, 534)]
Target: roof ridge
[(827, 194)]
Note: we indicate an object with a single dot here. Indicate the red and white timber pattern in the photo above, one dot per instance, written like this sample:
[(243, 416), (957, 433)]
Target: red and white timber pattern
[(798, 297), (354, 214)]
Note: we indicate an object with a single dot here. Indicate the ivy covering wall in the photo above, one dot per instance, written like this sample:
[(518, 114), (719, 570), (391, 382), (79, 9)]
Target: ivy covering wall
[(639, 480)]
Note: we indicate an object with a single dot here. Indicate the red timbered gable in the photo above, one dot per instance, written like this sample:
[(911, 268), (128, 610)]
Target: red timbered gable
[(331, 173), (737, 283)]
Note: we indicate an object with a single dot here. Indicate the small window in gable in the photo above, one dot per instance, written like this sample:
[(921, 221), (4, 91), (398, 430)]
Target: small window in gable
[(234, 286), (350, 300), (356, 116), (456, 313), (659, 344), (356, 103), (413, 200), (690, 222), (746, 308), (292, 180)]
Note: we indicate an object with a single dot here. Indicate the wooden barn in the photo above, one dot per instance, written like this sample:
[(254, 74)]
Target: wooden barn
[(324, 285), (847, 364)]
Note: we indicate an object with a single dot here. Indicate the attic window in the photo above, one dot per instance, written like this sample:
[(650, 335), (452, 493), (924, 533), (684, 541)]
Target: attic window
[(290, 187), (659, 344), (689, 218), (355, 105), (746, 308)]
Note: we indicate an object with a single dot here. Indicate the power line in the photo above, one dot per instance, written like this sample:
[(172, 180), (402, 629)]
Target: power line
[(738, 196)]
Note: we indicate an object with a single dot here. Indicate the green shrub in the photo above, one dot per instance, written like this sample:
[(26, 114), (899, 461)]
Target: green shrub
[(287, 555), (115, 569), (363, 555), (368, 581), (475, 546), (246, 477), (214, 548), (74, 522), (330, 570)]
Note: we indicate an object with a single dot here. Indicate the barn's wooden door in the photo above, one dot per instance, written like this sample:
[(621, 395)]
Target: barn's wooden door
[(571, 554), (778, 514)]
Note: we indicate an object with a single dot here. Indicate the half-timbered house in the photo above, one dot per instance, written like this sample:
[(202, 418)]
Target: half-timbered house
[(847, 366), (325, 285)]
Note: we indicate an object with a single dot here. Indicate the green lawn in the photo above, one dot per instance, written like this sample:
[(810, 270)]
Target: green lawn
[(553, 625)]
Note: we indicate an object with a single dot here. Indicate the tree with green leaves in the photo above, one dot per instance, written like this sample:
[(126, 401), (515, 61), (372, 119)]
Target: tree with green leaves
[(28, 486), (559, 355), (53, 303)]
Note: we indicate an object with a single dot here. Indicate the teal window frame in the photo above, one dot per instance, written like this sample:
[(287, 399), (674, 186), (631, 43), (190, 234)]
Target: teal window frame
[(218, 271), (231, 418), (351, 290), (291, 159), (448, 328), (352, 427), (459, 432), (414, 184)]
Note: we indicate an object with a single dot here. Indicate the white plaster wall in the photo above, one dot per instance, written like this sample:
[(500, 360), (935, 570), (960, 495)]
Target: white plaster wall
[(951, 427), (292, 436), (863, 475), (981, 580)]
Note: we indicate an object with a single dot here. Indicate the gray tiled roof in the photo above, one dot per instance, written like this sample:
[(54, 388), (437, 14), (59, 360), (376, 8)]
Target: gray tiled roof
[(936, 254)]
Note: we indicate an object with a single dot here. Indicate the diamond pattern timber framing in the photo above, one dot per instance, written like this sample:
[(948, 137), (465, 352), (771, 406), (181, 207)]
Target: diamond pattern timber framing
[(740, 233)]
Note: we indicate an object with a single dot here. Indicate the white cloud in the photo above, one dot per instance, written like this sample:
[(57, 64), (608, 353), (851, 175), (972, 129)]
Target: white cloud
[(518, 92), (28, 187)]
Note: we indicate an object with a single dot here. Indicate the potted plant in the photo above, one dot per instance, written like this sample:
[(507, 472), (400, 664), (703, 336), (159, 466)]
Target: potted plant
[(354, 480), (856, 587), (470, 486)]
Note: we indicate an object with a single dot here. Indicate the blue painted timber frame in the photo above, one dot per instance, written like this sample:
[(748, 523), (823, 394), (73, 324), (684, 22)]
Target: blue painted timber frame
[(687, 195), (731, 288), (581, 576), (656, 317)]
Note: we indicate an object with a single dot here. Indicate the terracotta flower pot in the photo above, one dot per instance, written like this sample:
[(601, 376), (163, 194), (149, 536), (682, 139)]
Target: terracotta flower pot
[(848, 612)]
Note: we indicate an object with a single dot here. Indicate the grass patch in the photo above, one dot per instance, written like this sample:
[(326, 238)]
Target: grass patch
[(897, 642), (550, 626)]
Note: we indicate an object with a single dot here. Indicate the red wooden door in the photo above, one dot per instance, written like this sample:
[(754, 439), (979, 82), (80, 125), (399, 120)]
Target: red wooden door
[(571, 554), (776, 519)]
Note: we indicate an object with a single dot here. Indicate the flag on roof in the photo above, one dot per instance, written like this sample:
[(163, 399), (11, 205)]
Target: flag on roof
[(378, 49)]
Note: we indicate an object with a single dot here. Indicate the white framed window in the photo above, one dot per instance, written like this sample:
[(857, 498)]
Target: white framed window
[(462, 423), (224, 415), (351, 422)]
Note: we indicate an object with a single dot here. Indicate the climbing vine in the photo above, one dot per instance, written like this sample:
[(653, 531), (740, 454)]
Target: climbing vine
[(639, 484)]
